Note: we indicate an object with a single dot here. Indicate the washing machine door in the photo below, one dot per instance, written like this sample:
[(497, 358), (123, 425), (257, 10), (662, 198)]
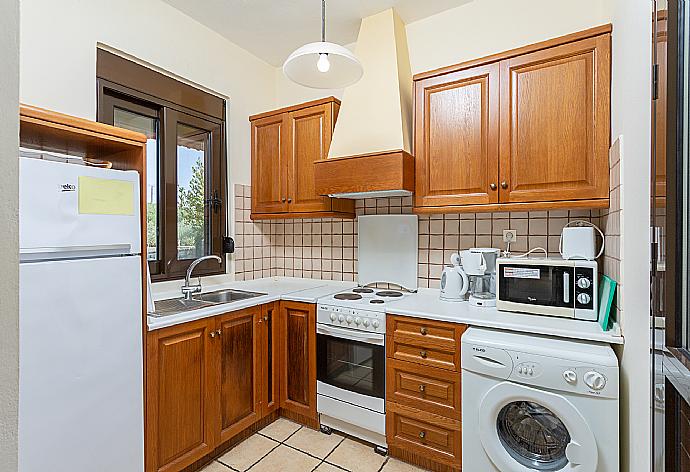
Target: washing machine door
[(524, 429)]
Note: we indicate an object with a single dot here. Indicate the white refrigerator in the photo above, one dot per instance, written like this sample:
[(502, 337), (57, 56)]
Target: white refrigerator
[(80, 320)]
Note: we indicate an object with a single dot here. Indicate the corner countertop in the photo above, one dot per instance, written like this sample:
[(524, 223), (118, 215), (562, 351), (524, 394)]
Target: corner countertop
[(275, 288), (426, 304), (423, 304)]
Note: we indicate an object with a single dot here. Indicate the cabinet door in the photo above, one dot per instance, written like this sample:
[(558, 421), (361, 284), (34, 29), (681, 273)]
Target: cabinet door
[(298, 323), (456, 138), (310, 137), (270, 151), (238, 364), (555, 123), (270, 355), (180, 389)]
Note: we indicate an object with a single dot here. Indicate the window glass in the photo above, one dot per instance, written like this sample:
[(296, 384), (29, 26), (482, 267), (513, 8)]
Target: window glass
[(148, 126), (192, 222)]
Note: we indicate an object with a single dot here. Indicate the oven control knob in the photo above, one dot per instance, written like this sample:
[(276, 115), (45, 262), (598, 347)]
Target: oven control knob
[(583, 298), (341, 318), (375, 323), (358, 321), (333, 317), (349, 319), (583, 282), (365, 322), (595, 380), (570, 376)]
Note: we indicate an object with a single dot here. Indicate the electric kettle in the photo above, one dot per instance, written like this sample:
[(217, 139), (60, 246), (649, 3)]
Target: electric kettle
[(454, 281)]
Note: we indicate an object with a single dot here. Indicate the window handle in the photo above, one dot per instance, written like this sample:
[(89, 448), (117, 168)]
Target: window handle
[(215, 202)]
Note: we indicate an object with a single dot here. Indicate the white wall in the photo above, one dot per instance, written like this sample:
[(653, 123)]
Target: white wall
[(9, 250), (485, 27), (58, 60), (631, 118)]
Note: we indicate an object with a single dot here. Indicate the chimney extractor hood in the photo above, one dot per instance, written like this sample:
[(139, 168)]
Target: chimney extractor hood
[(369, 155)]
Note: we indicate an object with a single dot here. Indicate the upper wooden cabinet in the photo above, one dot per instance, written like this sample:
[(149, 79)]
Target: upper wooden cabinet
[(285, 145), (526, 129)]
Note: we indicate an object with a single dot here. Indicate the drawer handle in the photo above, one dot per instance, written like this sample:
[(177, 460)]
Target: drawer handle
[(424, 331), (422, 387), (422, 434), (422, 354)]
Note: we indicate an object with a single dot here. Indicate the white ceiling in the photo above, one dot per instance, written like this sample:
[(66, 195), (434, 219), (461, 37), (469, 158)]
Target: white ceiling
[(272, 29)]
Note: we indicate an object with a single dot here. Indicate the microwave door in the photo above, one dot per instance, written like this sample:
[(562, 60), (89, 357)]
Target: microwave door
[(549, 286)]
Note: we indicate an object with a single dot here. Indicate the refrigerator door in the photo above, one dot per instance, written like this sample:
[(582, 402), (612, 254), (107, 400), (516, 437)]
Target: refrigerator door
[(69, 211), (81, 367)]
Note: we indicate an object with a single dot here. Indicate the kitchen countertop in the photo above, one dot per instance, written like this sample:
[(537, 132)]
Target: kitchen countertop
[(275, 288), (426, 304), (423, 304)]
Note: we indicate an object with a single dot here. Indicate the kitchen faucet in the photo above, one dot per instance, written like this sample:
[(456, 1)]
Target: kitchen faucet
[(187, 289)]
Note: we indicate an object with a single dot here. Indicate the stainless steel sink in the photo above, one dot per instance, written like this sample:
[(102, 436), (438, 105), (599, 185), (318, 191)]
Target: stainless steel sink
[(173, 306), (227, 296)]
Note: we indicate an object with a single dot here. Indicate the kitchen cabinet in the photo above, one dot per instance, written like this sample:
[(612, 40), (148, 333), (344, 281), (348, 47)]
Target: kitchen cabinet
[(285, 145), (209, 380), (298, 363), (180, 395), (423, 392), (521, 130), (238, 369)]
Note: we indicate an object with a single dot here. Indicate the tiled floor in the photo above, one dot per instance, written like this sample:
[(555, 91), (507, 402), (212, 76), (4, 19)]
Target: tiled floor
[(284, 446)]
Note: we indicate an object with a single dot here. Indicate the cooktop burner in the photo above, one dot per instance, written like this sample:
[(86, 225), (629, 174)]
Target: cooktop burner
[(389, 293), (376, 300), (363, 290), (347, 296)]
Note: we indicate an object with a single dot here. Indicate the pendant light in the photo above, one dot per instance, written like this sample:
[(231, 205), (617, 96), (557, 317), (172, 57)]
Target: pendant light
[(323, 65)]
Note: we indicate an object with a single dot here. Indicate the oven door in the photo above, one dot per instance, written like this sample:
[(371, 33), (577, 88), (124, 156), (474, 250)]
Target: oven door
[(352, 361), (542, 289)]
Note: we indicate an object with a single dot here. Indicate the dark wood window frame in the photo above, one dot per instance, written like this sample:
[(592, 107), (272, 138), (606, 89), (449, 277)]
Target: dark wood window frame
[(209, 116)]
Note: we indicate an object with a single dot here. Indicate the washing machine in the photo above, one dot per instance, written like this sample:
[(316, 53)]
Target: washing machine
[(537, 403)]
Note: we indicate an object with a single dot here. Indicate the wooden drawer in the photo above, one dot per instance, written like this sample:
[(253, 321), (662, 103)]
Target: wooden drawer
[(423, 355), (427, 333), (434, 390), (435, 437)]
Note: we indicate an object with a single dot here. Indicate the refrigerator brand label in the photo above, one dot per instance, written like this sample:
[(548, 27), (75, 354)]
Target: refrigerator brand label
[(520, 273)]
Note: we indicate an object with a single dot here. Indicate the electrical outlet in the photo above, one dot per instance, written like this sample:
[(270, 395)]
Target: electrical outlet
[(509, 235)]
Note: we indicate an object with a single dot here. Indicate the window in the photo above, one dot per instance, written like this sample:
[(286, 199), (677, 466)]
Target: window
[(185, 162)]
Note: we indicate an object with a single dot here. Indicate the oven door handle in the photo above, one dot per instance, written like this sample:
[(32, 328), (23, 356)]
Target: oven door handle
[(369, 338)]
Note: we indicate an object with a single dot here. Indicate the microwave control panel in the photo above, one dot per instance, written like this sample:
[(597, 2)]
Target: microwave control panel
[(584, 288)]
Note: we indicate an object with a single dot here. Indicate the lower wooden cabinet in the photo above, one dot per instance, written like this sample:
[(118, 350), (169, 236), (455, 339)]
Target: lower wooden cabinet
[(298, 364), (423, 392), (207, 381), (180, 384)]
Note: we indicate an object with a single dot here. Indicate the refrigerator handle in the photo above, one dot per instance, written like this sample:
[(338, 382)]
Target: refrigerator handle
[(70, 252)]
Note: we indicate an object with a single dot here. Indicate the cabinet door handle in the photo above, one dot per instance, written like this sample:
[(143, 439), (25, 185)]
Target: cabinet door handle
[(422, 354), (212, 334), (422, 434), (493, 186), (282, 199), (289, 200), (422, 388), (423, 330), (504, 185), (218, 332), (266, 318)]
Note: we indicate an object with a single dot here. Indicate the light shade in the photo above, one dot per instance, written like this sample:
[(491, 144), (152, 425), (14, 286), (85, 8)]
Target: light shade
[(345, 69)]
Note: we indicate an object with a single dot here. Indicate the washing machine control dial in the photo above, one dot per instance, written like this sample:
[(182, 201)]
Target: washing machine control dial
[(595, 380), (570, 377)]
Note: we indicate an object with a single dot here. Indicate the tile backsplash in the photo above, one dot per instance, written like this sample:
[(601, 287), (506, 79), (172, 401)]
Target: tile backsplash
[(327, 248)]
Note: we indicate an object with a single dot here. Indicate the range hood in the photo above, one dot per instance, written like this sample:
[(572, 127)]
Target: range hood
[(369, 154)]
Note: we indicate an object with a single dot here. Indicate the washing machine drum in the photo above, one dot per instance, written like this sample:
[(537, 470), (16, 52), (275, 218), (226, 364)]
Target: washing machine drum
[(523, 429)]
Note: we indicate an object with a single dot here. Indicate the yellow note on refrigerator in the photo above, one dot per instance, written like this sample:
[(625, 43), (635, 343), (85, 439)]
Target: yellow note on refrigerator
[(105, 196)]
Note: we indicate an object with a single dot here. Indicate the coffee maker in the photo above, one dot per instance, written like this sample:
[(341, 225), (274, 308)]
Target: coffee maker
[(480, 266)]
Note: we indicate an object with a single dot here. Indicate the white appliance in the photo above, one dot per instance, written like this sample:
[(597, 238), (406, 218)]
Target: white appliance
[(480, 265), (351, 330), (80, 327), (538, 403), (578, 242), (454, 281), (548, 286)]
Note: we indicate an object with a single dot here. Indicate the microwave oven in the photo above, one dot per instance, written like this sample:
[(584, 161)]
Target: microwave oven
[(550, 287)]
